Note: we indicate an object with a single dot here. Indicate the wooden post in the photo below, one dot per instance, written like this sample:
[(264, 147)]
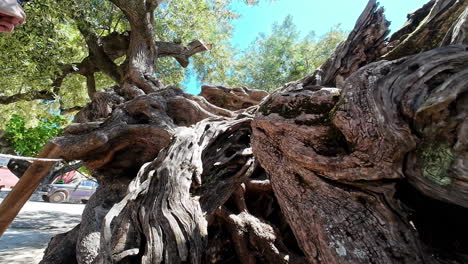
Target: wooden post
[(27, 184)]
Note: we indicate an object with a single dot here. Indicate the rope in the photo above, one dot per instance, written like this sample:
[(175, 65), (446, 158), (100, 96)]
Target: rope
[(39, 159), (28, 158)]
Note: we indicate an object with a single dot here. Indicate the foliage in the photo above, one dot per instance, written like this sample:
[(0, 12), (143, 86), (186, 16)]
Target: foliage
[(84, 171), (33, 54), (282, 56), (29, 141), (186, 20)]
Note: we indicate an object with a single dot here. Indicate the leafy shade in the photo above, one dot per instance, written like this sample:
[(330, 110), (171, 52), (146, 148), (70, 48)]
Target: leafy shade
[(29, 141)]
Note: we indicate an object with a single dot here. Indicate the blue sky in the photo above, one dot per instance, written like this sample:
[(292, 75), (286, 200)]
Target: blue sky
[(308, 15)]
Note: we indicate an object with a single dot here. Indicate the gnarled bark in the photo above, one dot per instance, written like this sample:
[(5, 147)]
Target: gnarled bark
[(340, 171), (195, 174), (232, 98), (365, 44), (338, 158), (427, 28), (458, 32)]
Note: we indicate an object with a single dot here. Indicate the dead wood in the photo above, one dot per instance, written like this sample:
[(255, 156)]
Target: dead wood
[(232, 98), (427, 28)]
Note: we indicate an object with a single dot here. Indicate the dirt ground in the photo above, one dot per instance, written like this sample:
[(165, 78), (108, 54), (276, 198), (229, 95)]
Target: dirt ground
[(27, 237)]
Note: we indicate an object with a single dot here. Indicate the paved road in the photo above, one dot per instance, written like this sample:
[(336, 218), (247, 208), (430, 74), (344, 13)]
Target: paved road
[(27, 237)]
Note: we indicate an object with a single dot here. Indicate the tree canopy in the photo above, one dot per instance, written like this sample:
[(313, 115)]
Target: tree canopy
[(55, 56)]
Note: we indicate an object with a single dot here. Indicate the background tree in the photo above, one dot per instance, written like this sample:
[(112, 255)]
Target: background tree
[(28, 141), (282, 56)]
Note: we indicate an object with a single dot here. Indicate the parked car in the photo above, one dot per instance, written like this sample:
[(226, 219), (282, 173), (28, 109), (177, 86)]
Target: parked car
[(78, 190)]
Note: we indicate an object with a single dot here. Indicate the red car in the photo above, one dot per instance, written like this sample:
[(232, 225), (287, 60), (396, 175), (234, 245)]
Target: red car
[(7, 179)]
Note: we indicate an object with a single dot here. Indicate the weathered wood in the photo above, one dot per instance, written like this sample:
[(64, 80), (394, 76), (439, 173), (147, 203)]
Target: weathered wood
[(413, 21), (87, 241), (458, 32), (365, 44), (137, 129), (203, 155), (232, 98), (12, 204), (427, 29), (61, 248), (172, 222), (333, 221)]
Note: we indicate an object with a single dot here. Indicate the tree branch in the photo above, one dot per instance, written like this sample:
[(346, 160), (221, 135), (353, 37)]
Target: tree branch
[(116, 45), (141, 52), (436, 17), (65, 111), (91, 84), (84, 68), (96, 51), (28, 96), (102, 53), (179, 52)]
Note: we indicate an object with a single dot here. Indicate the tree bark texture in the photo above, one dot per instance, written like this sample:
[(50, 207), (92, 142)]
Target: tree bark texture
[(343, 171), (362, 161)]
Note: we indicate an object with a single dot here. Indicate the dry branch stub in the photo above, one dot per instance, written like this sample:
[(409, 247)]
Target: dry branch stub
[(365, 44), (437, 23)]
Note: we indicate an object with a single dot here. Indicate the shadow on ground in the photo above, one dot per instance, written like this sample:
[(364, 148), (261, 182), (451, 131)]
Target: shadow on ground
[(27, 237), (45, 220)]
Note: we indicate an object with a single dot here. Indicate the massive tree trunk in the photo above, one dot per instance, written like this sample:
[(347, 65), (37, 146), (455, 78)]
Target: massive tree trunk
[(363, 161)]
